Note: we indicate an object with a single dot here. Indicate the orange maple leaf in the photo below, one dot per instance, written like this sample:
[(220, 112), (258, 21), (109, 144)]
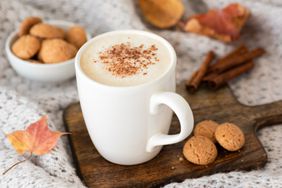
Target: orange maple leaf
[(224, 24), (37, 139)]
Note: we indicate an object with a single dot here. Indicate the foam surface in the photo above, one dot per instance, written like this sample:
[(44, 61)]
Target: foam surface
[(96, 70)]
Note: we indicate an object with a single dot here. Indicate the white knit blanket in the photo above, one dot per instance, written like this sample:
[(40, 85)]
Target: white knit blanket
[(23, 101)]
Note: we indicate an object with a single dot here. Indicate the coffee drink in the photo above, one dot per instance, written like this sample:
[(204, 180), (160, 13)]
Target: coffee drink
[(126, 86), (125, 61)]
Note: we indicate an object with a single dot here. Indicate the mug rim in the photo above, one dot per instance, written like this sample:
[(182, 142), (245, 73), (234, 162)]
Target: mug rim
[(164, 42)]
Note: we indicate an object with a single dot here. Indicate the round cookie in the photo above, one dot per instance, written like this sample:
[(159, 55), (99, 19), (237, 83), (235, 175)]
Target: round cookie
[(26, 46), (47, 31), (200, 150), (56, 50), (230, 136), (206, 128), (76, 35), (27, 23)]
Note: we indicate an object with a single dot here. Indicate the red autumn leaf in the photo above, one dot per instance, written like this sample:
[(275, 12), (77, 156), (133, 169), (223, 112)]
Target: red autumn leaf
[(37, 139), (224, 24)]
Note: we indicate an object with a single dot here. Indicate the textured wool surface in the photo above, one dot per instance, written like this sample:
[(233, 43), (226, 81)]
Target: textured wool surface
[(23, 101)]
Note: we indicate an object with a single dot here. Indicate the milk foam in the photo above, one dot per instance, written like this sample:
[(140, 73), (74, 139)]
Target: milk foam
[(95, 69)]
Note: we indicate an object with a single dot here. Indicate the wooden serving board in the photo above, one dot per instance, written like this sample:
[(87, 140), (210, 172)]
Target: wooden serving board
[(217, 105)]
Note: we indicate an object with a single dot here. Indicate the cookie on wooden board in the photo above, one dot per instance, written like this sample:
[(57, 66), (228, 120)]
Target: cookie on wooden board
[(56, 50), (47, 31), (206, 128), (200, 150), (76, 35), (26, 46), (27, 23), (230, 136)]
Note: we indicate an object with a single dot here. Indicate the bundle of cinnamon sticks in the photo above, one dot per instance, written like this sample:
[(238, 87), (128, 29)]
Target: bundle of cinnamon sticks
[(232, 65)]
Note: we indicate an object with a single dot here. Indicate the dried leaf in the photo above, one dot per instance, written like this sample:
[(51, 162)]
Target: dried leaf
[(224, 24), (20, 140), (162, 13), (37, 139)]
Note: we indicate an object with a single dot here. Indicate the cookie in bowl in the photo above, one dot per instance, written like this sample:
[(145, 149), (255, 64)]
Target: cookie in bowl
[(45, 56)]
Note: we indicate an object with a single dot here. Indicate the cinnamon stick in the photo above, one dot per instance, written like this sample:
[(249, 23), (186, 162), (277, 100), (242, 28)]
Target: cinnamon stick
[(221, 79), (238, 60), (237, 52), (194, 82), (209, 76)]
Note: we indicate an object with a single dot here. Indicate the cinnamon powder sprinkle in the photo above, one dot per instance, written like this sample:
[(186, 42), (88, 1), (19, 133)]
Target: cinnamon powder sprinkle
[(125, 60)]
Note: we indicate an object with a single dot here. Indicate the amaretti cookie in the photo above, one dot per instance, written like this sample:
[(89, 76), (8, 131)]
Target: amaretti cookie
[(47, 31), (26, 46), (56, 50), (207, 129), (76, 35), (230, 136), (27, 23), (200, 150)]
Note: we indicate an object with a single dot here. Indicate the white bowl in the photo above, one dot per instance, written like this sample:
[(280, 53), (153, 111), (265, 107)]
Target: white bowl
[(42, 72)]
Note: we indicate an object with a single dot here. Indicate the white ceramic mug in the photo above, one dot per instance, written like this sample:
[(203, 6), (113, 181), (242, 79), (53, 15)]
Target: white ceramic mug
[(129, 125)]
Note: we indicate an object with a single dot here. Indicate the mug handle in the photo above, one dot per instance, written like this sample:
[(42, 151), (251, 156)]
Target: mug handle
[(182, 110)]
